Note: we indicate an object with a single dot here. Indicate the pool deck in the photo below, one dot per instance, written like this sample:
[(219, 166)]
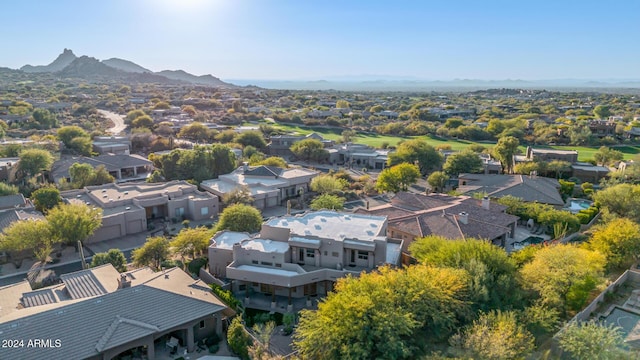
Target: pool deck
[(521, 234)]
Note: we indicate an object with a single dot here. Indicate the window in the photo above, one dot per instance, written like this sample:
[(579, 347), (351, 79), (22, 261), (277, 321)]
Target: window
[(242, 287), (325, 253), (179, 212), (204, 211), (266, 263), (254, 262), (202, 326), (311, 253), (335, 254), (254, 284), (278, 265), (363, 255)]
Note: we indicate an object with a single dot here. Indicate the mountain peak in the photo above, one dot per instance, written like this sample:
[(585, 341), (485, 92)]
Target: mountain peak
[(62, 61)]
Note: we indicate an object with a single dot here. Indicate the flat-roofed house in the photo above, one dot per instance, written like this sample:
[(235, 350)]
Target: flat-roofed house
[(269, 185), (128, 208), (302, 255)]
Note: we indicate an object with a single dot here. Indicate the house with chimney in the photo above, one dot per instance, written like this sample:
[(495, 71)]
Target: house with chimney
[(100, 314), (269, 185), (412, 216), (531, 188)]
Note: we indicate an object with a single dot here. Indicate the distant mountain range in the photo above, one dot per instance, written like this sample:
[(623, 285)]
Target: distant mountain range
[(69, 65), (370, 83)]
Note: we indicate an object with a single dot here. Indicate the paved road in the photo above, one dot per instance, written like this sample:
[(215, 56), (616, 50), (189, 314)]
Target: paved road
[(118, 121)]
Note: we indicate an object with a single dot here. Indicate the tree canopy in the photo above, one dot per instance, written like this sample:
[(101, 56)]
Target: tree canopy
[(152, 253), (327, 184), (252, 138), (590, 340), (462, 162), (33, 161), (410, 151), (240, 217), (618, 240), (46, 198), (621, 200), (309, 150), (563, 275), (437, 180), (385, 314), (201, 163), (504, 151), (398, 178), (191, 241), (327, 201), (492, 273), (114, 257), (74, 222)]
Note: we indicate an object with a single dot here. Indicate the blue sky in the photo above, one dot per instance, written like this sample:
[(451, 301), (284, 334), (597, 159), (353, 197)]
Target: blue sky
[(299, 39)]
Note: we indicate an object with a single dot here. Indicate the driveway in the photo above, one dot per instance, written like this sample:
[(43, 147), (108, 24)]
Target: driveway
[(118, 121)]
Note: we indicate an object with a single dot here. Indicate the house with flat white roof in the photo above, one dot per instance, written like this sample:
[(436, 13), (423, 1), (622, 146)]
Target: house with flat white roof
[(269, 185), (303, 255)]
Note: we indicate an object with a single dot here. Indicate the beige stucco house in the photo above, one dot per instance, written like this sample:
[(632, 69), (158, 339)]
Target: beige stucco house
[(269, 185), (128, 208), (302, 255)]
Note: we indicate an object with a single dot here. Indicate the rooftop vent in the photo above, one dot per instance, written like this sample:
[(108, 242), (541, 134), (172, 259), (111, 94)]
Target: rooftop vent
[(104, 190), (463, 217), (79, 196), (105, 196), (128, 208)]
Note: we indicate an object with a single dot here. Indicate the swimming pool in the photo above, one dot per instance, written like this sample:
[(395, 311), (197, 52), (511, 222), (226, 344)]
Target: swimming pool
[(531, 240), (576, 205)]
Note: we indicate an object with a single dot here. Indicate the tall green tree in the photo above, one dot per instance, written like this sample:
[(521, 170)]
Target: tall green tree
[(239, 195), (590, 340), (114, 257), (606, 156), (46, 198), (398, 177), (495, 335), (240, 217), (602, 111), (327, 184), (74, 222), (152, 253), (492, 274), (327, 201), (44, 119), (563, 275), (462, 162), (505, 150), (618, 240), (252, 138), (410, 151), (238, 338), (621, 200), (386, 314), (309, 150), (33, 161), (438, 180), (191, 242)]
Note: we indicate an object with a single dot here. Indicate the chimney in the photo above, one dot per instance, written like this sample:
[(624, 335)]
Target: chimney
[(486, 203), (124, 282), (463, 217), (245, 167)]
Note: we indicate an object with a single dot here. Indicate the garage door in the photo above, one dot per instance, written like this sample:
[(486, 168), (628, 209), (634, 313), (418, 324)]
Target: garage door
[(107, 233), (272, 201), (134, 226)]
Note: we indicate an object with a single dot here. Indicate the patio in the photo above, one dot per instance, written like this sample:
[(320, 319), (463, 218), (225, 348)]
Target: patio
[(522, 233)]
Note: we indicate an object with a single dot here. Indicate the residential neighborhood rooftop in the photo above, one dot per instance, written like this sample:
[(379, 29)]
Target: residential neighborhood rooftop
[(331, 224)]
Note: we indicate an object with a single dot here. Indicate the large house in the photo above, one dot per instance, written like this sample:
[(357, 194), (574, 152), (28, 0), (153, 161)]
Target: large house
[(104, 145), (128, 208), (302, 255), (551, 154), (359, 156), (122, 167), (269, 185), (412, 216), (528, 188), (280, 145), (99, 314)]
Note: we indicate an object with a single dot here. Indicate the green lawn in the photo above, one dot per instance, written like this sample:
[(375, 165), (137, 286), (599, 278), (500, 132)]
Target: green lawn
[(375, 140)]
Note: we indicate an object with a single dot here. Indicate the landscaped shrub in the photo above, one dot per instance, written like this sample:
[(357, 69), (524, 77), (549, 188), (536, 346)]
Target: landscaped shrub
[(214, 348), (196, 264), (226, 296), (584, 218), (172, 263)]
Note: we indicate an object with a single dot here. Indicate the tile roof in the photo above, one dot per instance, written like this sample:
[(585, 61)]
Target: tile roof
[(89, 326), (530, 189), (91, 282), (10, 216), (12, 201), (264, 170)]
